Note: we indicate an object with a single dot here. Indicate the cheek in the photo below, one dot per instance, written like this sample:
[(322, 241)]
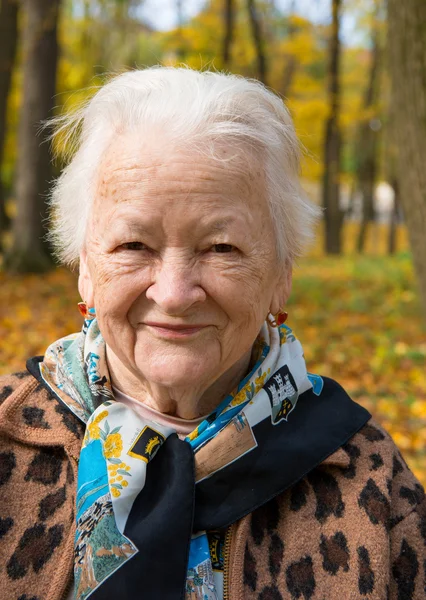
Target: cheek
[(117, 288), (245, 297)]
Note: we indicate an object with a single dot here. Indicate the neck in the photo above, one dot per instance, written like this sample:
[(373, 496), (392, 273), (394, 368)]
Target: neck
[(189, 402)]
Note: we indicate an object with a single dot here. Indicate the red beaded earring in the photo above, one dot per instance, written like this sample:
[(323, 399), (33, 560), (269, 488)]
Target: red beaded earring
[(85, 311), (279, 319)]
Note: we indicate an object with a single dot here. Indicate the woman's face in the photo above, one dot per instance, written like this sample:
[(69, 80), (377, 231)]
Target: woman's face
[(180, 261)]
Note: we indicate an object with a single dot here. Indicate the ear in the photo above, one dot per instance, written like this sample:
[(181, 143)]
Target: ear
[(85, 285), (282, 289)]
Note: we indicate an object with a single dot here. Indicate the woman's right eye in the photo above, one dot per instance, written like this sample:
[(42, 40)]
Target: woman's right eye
[(223, 248), (133, 246)]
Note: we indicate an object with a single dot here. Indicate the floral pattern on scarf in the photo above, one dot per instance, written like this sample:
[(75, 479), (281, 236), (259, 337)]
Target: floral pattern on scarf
[(119, 444)]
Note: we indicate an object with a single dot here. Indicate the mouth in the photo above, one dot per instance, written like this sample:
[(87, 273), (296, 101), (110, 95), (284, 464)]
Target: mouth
[(174, 331)]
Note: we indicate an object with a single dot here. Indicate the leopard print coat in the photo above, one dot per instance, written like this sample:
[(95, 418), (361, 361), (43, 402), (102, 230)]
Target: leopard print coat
[(352, 528)]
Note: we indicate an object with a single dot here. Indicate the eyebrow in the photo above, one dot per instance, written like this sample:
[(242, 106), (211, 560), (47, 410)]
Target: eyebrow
[(219, 226), (135, 225)]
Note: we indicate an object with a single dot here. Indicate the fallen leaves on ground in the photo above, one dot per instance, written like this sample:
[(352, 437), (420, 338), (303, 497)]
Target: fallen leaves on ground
[(359, 321)]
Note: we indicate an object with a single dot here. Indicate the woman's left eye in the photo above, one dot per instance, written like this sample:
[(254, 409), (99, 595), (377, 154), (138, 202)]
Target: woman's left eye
[(133, 246), (222, 248)]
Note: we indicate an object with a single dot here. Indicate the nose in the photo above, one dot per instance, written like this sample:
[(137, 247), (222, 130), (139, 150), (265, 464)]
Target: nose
[(176, 286)]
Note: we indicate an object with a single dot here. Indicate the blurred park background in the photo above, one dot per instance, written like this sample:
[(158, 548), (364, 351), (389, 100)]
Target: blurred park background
[(352, 73)]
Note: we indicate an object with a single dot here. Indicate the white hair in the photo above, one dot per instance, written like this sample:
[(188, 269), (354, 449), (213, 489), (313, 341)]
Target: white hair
[(193, 107)]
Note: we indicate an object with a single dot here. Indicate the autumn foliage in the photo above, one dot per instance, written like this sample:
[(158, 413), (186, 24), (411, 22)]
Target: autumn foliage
[(358, 317)]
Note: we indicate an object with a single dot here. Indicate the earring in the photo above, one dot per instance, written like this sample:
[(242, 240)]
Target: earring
[(85, 311), (279, 319)]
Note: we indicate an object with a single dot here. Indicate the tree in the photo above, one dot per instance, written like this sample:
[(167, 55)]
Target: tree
[(29, 253), (229, 32), (8, 42), (407, 54), (394, 220), (180, 19), (258, 40), (368, 145), (331, 188), (290, 58)]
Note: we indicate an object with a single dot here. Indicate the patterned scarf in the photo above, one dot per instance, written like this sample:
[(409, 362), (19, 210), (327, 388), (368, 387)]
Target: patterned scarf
[(119, 445)]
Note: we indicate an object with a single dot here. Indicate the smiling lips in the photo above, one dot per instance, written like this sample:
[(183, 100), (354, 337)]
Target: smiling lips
[(170, 331)]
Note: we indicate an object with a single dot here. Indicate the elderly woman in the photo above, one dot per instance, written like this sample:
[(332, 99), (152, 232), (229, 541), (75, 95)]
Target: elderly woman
[(177, 447)]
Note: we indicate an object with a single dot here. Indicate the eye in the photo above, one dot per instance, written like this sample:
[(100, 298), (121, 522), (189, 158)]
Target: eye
[(133, 246), (222, 248)]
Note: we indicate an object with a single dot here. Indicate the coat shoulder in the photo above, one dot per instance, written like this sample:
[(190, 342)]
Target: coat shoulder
[(29, 409), (9, 383), (368, 473), (378, 463), (354, 526)]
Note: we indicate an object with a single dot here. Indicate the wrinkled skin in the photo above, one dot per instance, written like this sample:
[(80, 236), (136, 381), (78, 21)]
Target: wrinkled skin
[(176, 238)]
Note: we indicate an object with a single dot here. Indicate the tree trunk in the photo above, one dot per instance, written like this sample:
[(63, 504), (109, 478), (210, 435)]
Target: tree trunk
[(179, 14), (407, 47), (29, 252), (367, 149), (229, 32), (290, 66), (288, 75), (331, 188), (8, 41), (366, 181), (394, 221), (258, 41)]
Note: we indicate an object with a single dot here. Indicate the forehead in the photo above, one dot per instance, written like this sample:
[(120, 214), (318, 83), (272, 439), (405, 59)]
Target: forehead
[(155, 170)]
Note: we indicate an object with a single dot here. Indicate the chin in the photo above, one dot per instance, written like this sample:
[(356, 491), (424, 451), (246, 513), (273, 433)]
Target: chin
[(174, 366), (178, 372), (179, 378)]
